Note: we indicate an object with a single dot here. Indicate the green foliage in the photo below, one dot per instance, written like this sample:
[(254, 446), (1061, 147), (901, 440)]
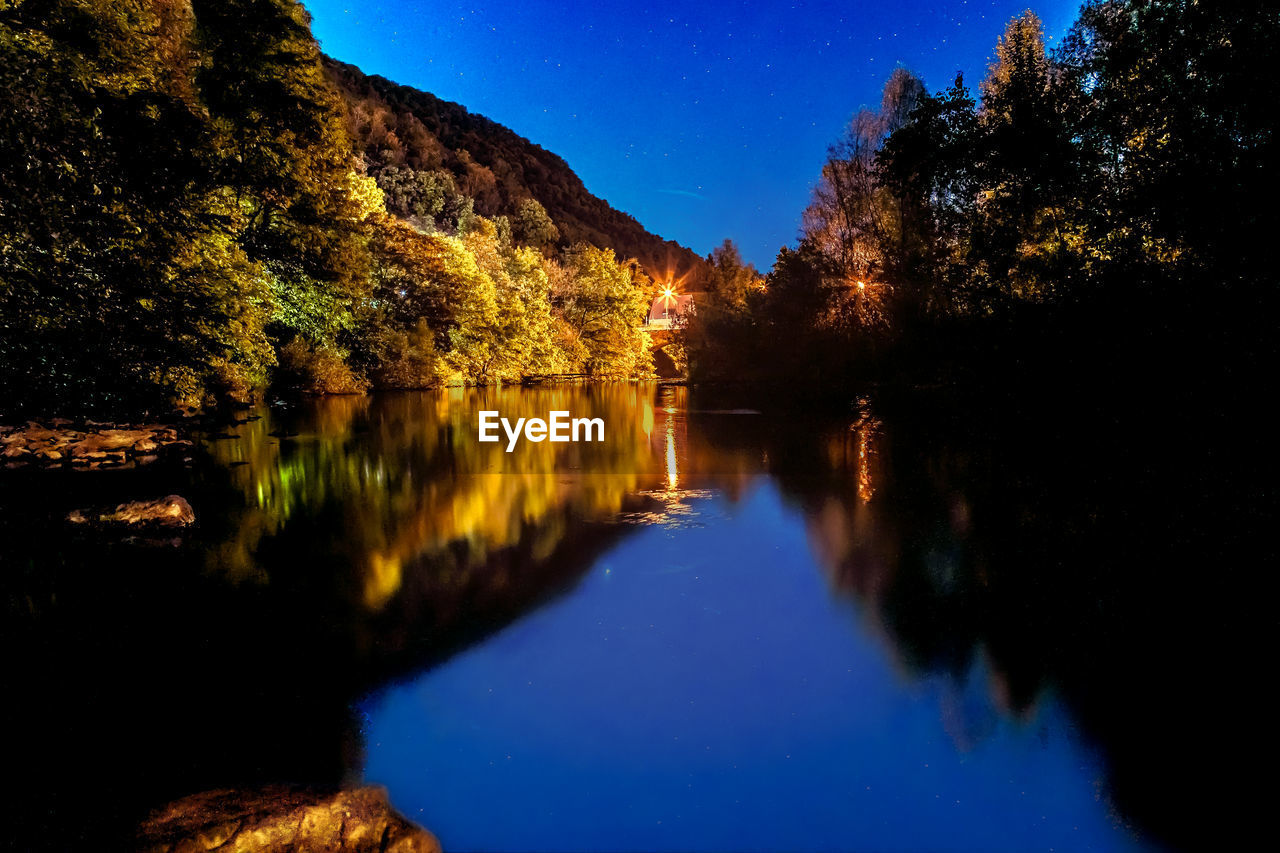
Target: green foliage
[(478, 309), (731, 282), (409, 359), (602, 304), (122, 285), (532, 226), (282, 148), (313, 369), (434, 278), (522, 322), (429, 200), (1027, 169), (182, 207), (1175, 106)]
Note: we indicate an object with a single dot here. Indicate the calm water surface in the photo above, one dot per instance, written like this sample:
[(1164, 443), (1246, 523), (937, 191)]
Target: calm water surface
[(723, 628)]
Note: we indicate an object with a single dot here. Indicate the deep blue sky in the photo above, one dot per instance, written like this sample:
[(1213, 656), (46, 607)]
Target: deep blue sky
[(704, 120)]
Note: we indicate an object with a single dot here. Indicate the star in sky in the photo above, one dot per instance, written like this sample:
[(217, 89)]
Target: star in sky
[(704, 121)]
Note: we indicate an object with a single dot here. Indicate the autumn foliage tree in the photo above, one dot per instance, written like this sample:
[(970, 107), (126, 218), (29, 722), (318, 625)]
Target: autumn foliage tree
[(601, 303), (185, 214)]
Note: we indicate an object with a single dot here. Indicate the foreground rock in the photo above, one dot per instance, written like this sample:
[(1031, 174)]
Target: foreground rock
[(171, 511), (276, 820), (89, 446)]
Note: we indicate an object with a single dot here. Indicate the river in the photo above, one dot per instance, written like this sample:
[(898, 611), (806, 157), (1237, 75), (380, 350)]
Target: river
[(727, 626)]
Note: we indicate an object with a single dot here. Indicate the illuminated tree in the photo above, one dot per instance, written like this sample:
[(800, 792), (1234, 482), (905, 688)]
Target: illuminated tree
[(282, 149), (732, 280), (602, 305), (522, 319), (432, 280), (1027, 169), (532, 226), (853, 219), (1174, 102), (121, 285)]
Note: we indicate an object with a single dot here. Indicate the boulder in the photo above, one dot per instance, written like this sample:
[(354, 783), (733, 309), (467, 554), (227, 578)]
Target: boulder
[(276, 820), (171, 511)]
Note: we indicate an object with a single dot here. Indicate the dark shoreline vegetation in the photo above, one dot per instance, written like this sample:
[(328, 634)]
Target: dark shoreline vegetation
[(1096, 217)]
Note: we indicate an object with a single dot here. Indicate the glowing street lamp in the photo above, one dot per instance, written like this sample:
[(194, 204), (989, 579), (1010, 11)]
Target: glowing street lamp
[(669, 298)]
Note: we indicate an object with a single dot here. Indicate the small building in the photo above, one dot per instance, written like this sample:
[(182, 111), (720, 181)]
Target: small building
[(666, 307)]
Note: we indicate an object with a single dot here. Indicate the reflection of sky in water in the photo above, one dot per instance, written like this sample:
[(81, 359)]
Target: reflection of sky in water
[(670, 508), (703, 689)]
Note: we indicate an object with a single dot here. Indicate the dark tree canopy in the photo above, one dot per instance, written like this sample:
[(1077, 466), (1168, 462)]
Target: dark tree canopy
[(1102, 204)]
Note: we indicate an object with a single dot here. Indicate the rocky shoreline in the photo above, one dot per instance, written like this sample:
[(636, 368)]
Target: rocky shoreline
[(283, 820), (90, 445)]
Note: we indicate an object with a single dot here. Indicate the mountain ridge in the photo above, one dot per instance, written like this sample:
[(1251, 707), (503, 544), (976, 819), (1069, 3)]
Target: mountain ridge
[(399, 125)]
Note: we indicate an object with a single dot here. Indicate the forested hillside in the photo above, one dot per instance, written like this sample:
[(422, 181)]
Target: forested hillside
[(407, 130), (191, 210)]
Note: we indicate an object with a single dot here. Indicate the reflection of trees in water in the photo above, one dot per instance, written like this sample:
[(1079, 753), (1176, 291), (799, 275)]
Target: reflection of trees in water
[(408, 483), (1011, 554), (894, 533), (369, 538), (1019, 552)]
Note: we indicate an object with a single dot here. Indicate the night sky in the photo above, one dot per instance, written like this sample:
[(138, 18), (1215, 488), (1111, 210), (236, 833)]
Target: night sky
[(703, 120)]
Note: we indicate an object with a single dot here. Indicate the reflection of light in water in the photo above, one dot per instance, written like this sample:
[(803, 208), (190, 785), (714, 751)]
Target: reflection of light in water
[(866, 428), (670, 506), (381, 580), (673, 508), (371, 457), (646, 418), (865, 487), (673, 471)]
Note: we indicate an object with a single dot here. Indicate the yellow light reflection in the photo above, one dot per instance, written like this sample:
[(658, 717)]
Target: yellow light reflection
[(865, 487), (382, 579), (673, 470)]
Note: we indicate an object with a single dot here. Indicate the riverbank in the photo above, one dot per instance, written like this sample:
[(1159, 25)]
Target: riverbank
[(91, 445), (284, 819)]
